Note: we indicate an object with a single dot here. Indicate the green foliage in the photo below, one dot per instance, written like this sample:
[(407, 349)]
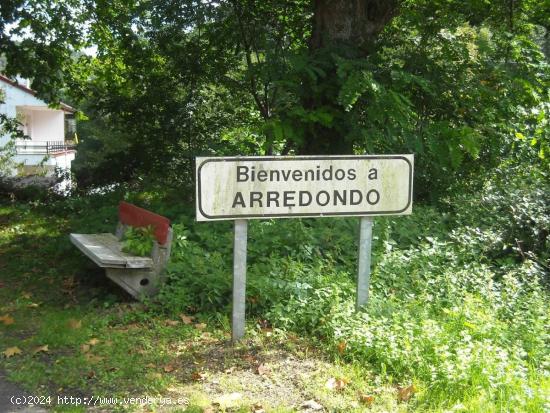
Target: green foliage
[(139, 241), (9, 128), (455, 305), (459, 86), (515, 206), (7, 151), (38, 39)]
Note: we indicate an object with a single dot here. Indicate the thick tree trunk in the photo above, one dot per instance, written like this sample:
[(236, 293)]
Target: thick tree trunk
[(352, 22), (349, 28)]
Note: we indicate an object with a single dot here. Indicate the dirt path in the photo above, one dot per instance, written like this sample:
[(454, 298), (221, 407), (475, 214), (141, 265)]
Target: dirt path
[(8, 393)]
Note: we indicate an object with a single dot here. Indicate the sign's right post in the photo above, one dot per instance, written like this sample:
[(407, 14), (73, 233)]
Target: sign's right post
[(363, 272)]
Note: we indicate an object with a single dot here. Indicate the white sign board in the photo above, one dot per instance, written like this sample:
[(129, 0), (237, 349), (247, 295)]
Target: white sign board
[(303, 186)]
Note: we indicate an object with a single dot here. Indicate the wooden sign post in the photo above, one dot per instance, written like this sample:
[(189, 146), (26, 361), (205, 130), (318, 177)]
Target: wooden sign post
[(242, 188)]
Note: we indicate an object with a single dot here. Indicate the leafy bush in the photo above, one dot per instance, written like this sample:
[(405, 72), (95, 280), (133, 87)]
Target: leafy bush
[(139, 241), (469, 328), (510, 214)]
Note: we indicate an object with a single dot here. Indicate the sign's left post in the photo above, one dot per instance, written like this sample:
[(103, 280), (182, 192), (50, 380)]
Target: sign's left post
[(239, 280)]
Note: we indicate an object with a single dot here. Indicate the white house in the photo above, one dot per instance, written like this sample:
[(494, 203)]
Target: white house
[(50, 130)]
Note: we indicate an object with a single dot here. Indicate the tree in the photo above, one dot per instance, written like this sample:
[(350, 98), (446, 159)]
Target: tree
[(8, 127), (38, 39), (348, 29), (452, 82)]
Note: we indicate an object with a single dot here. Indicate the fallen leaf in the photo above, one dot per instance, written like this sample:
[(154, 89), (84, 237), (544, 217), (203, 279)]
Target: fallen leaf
[(92, 358), (26, 295), (198, 376), (169, 368), (366, 399), (186, 319), (262, 369), (93, 341), (91, 374), (41, 349), (250, 358), (84, 348), (336, 384), (11, 351), (7, 320), (69, 284), (229, 370), (75, 324), (311, 404), (33, 305), (341, 383), (258, 408), (150, 365), (171, 323), (342, 347), (200, 326), (404, 394)]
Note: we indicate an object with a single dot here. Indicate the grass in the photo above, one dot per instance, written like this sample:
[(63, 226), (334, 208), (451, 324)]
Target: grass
[(474, 340), (99, 342)]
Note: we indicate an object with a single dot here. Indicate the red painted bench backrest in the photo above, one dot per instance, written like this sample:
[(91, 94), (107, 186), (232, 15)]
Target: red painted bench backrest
[(135, 216)]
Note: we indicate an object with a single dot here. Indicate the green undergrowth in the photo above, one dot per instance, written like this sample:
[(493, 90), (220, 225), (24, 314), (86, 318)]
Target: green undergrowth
[(458, 303), (470, 334), (459, 299)]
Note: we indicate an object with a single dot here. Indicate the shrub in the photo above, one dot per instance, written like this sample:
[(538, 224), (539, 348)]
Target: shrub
[(511, 214), (452, 307)]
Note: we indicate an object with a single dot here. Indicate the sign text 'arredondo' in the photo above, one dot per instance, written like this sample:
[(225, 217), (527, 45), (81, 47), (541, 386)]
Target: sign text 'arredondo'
[(242, 188)]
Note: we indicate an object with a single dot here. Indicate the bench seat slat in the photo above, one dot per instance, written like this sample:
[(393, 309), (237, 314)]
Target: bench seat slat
[(105, 251)]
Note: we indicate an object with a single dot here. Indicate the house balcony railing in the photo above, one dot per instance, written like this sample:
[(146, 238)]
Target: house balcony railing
[(30, 147)]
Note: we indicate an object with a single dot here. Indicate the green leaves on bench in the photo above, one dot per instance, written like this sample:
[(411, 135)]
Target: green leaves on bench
[(139, 241)]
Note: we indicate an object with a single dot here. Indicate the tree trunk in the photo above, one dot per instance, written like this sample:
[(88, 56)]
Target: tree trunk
[(349, 28), (352, 22)]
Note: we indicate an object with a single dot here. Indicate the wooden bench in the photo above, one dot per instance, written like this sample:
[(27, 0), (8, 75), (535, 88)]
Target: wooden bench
[(140, 276)]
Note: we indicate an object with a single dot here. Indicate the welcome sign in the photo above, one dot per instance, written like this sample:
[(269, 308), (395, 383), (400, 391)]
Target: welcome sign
[(303, 186), (241, 188)]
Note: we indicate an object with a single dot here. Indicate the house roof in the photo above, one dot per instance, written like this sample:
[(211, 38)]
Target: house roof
[(14, 83)]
